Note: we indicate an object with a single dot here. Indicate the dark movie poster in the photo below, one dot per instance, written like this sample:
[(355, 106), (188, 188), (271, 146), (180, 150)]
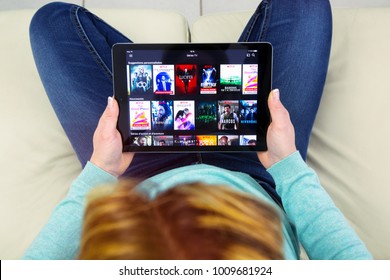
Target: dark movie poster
[(206, 115), (228, 115), (163, 140), (162, 115), (184, 140), (186, 79), (248, 112)]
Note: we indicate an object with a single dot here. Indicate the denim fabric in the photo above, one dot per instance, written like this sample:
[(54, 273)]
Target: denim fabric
[(72, 51)]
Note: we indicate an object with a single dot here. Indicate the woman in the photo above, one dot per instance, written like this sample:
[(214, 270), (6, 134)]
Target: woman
[(275, 187)]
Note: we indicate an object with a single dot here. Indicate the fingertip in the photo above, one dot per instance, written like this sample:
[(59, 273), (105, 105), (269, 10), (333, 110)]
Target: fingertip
[(275, 94), (276, 107), (274, 99), (110, 103), (112, 106)]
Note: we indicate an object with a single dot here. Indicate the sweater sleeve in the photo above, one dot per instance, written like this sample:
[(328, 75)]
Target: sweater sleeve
[(60, 237), (321, 227)]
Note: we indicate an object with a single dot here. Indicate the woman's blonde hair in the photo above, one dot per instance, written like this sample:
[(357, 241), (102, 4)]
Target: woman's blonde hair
[(191, 221)]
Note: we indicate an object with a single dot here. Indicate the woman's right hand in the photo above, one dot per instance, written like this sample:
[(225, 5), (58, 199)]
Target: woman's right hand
[(280, 134)]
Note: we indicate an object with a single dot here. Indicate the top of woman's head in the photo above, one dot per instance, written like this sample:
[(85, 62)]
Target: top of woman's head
[(191, 221)]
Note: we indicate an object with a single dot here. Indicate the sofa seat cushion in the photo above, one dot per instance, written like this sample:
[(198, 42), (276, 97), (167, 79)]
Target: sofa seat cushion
[(37, 162), (349, 148)]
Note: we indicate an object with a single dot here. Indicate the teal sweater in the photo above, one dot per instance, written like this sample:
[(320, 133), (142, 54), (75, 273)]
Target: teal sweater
[(310, 216)]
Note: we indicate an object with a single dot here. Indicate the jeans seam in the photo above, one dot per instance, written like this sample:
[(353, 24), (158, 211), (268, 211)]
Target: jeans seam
[(263, 10), (249, 30), (266, 21), (112, 28), (84, 38)]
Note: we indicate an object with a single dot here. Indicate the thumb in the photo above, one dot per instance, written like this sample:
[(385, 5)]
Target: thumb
[(110, 115), (279, 114)]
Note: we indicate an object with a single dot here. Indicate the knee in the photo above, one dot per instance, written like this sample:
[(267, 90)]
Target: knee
[(48, 19), (321, 11), (320, 22), (317, 14), (306, 12), (312, 18)]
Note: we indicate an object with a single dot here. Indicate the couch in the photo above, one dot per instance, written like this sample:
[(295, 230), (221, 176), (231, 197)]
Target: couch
[(348, 149)]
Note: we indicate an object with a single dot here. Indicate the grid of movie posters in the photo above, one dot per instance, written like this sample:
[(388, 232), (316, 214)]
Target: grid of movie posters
[(193, 105)]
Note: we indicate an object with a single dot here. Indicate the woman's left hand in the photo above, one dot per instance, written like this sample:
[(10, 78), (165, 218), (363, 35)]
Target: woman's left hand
[(107, 143)]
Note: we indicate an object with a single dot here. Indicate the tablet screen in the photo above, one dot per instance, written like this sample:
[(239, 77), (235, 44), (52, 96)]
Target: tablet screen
[(193, 97)]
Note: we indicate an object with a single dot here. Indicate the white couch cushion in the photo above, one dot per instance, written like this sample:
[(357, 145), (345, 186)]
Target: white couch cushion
[(350, 142), (37, 162), (147, 26), (350, 147), (227, 27)]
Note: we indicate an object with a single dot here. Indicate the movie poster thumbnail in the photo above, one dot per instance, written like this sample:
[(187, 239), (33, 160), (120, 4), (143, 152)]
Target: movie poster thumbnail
[(248, 140), (209, 79), (228, 115), (206, 114), (139, 115), (162, 115), (184, 112), (249, 78), (230, 78), (206, 140), (248, 111), (140, 79), (142, 140), (228, 140), (164, 140), (164, 80), (186, 78), (184, 140)]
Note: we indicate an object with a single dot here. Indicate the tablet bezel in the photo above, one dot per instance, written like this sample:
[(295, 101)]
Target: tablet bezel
[(264, 50)]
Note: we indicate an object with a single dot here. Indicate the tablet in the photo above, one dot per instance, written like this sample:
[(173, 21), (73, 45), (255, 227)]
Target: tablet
[(193, 97)]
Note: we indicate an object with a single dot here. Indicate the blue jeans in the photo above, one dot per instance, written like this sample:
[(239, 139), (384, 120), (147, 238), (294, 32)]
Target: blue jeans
[(72, 51)]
